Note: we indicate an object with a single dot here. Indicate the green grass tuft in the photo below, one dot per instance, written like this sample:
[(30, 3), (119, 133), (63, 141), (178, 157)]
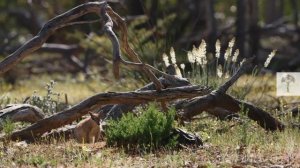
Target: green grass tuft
[(8, 126)]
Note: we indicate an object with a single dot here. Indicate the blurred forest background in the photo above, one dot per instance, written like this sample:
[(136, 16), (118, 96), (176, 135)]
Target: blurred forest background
[(259, 26)]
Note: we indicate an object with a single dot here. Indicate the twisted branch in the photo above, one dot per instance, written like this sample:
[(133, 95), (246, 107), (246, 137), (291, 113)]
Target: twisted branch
[(132, 55), (65, 19), (47, 30)]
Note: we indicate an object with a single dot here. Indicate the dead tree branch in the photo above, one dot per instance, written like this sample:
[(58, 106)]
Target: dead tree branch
[(47, 30), (219, 98), (222, 100), (70, 115), (246, 66), (132, 55), (116, 111), (117, 57), (65, 20)]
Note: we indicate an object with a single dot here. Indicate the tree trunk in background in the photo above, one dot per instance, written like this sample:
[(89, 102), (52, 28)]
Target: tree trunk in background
[(200, 23), (134, 7), (274, 10), (241, 27), (211, 25), (294, 5), (153, 13), (254, 30)]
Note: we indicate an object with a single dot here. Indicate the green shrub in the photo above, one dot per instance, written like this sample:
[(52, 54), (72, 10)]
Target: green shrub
[(8, 126), (49, 103), (149, 130)]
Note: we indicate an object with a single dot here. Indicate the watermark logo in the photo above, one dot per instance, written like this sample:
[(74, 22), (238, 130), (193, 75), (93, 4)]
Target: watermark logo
[(288, 83)]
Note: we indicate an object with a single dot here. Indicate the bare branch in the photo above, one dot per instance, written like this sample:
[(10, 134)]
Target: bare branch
[(115, 43), (133, 56), (245, 66), (65, 20), (47, 30), (80, 22), (117, 57)]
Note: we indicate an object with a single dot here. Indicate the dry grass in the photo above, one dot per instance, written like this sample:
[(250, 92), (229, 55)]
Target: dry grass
[(227, 143)]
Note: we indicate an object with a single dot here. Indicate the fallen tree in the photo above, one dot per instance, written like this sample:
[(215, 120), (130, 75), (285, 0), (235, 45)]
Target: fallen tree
[(67, 116), (167, 88)]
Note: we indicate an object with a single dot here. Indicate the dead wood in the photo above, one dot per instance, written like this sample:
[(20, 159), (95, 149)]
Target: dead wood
[(132, 55), (61, 134), (117, 110), (127, 100), (219, 98), (222, 100), (60, 48), (47, 30), (69, 115), (100, 8), (185, 138), (222, 113), (20, 113), (117, 59), (77, 111), (243, 69)]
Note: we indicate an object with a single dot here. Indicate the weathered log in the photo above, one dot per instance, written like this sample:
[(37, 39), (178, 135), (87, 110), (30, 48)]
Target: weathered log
[(20, 113), (117, 110), (222, 100), (69, 115), (61, 134)]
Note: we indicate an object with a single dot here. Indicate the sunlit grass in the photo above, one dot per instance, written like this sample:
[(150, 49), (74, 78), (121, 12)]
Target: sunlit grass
[(76, 88)]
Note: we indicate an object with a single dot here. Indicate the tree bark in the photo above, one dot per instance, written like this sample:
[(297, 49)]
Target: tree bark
[(254, 30), (274, 10)]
